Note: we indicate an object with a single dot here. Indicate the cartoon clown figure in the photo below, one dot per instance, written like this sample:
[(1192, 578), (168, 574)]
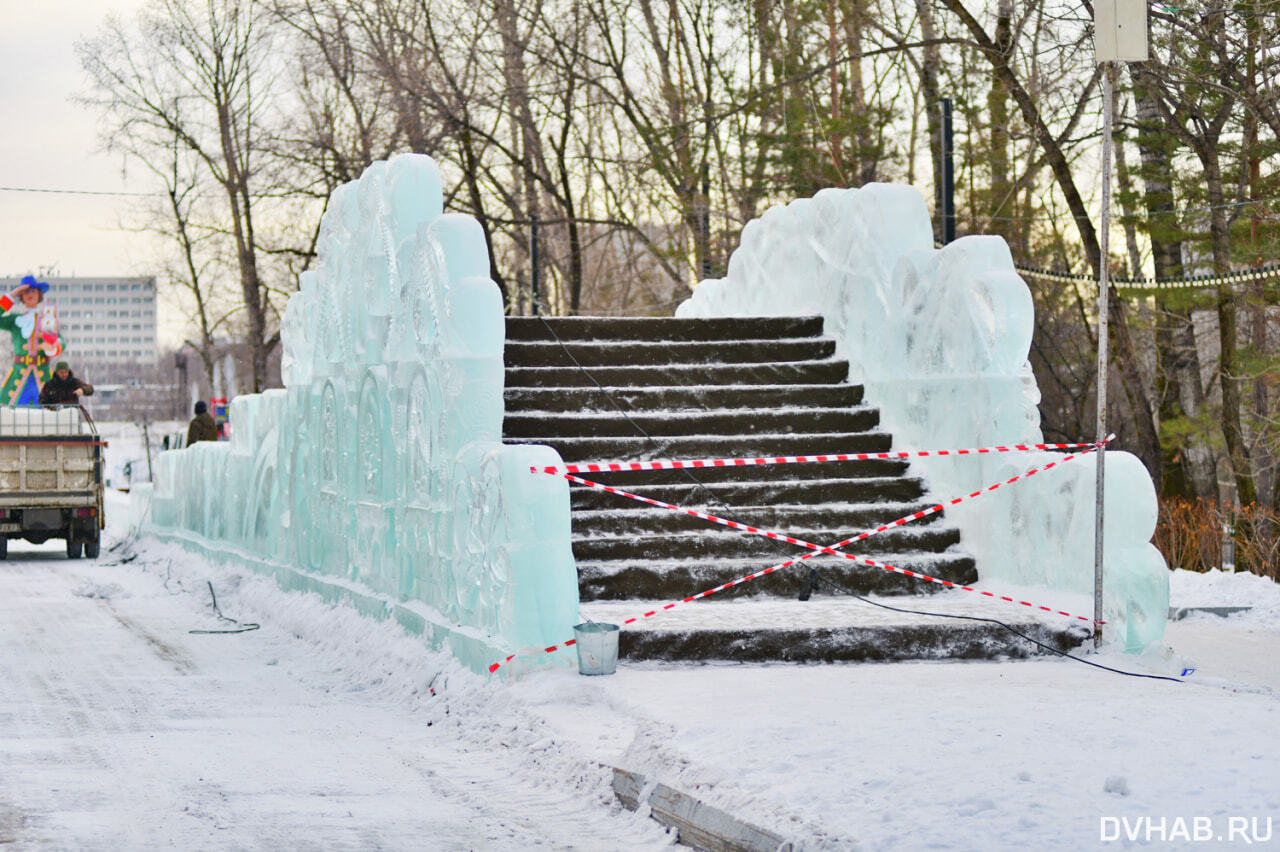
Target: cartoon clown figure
[(36, 342)]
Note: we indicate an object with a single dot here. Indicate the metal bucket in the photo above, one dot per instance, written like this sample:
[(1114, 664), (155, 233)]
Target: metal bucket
[(597, 645)]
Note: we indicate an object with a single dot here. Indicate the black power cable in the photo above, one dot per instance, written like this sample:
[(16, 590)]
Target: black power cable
[(240, 627), (815, 579)]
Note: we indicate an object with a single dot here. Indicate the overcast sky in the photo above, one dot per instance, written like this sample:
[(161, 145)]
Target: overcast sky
[(50, 143)]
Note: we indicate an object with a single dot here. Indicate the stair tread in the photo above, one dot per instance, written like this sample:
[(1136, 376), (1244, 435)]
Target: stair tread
[(916, 559), (669, 368), (554, 401), (701, 375), (731, 475), (834, 482), (683, 491), (724, 423), (691, 414), (642, 576), (606, 343), (820, 611), (591, 354), (656, 389), (714, 438), (659, 368), (699, 328), (892, 510), (816, 535), (790, 518)]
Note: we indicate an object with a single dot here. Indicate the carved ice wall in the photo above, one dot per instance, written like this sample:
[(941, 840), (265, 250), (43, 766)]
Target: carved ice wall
[(940, 338), (379, 469)]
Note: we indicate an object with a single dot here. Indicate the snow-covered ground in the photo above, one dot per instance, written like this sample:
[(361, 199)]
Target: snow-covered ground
[(123, 730), (120, 729)]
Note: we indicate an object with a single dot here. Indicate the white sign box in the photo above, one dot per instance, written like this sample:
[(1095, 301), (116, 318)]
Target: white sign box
[(1120, 30)]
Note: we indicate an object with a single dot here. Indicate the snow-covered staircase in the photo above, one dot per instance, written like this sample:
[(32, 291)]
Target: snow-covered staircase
[(607, 389)]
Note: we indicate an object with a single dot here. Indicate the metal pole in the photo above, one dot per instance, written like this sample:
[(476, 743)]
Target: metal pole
[(1103, 285), (533, 263), (146, 439), (948, 189)]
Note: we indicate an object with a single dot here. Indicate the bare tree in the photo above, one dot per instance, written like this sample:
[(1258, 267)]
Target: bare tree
[(1034, 114), (200, 72)]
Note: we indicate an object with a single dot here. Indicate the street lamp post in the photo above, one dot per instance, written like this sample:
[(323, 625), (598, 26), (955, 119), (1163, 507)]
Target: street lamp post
[(1120, 35)]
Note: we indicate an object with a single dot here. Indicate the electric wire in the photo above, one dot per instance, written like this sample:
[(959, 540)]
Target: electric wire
[(75, 191), (241, 627)]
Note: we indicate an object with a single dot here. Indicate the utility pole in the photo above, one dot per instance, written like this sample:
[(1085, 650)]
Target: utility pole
[(1120, 35), (1103, 307)]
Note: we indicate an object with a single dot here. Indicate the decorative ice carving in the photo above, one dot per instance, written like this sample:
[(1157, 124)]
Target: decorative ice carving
[(940, 338), (380, 465)]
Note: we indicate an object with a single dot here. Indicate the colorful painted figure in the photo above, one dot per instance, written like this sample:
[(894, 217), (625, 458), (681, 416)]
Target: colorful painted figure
[(36, 343)]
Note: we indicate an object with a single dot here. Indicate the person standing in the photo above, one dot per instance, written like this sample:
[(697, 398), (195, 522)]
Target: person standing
[(63, 388), (36, 342), (202, 427)]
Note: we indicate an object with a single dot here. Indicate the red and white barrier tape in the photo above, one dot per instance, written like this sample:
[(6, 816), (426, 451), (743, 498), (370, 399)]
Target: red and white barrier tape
[(614, 467), (818, 550)]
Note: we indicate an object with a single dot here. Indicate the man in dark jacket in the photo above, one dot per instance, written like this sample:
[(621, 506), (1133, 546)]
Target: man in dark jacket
[(202, 427), (63, 388)]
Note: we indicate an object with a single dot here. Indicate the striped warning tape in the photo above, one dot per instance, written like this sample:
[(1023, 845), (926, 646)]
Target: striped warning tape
[(818, 550), (680, 464)]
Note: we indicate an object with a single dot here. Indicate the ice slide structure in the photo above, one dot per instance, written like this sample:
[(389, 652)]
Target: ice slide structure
[(378, 476), (939, 338)]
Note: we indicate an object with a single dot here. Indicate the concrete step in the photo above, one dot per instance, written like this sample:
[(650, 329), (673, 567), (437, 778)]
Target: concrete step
[(676, 579), (683, 492), (660, 328), (524, 400), (711, 476), (716, 542), (829, 629), (615, 353), (620, 448), (724, 421), (820, 372), (783, 517)]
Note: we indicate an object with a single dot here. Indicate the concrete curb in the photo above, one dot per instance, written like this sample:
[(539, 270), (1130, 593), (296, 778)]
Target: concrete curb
[(697, 824), (1181, 612)]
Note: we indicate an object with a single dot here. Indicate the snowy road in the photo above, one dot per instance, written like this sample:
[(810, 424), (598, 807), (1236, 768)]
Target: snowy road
[(119, 729)]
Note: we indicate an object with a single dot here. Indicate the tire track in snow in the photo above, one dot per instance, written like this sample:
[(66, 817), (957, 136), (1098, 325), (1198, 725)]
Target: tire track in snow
[(120, 730)]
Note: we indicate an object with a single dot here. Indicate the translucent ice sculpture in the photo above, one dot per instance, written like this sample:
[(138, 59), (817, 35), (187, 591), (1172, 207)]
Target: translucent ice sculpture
[(940, 338), (378, 473)]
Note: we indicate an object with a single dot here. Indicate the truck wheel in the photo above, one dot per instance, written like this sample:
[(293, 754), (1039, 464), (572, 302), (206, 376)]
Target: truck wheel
[(74, 546), (91, 546)]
